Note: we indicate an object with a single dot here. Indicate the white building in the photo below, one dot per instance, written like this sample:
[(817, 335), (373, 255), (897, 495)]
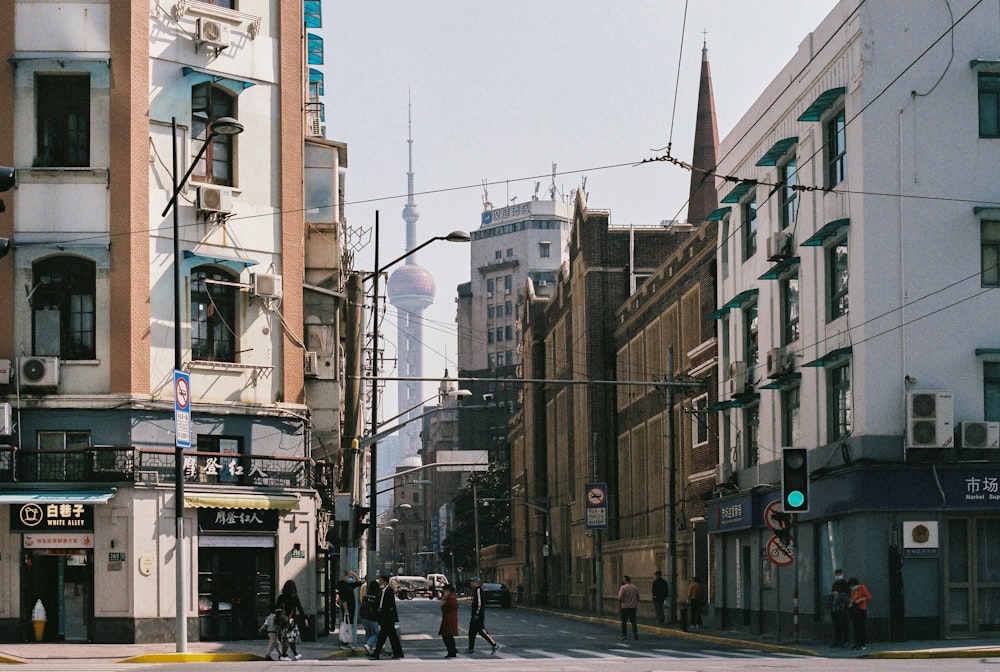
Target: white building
[(858, 319)]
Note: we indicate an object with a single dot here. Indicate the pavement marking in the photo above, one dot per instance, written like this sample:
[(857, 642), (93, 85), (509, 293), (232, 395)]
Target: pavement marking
[(544, 654), (594, 654), (686, 654)]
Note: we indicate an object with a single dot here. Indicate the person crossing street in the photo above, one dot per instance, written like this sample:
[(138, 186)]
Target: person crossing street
[(477, 624)]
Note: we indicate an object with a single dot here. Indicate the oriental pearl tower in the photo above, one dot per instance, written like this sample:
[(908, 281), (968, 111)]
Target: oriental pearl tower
[(411, 290)]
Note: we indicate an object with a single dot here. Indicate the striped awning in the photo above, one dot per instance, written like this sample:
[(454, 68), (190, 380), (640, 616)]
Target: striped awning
[(202, 500), (58, 496)]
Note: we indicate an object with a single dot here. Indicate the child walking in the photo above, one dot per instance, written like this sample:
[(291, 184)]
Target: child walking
[(272, 626)]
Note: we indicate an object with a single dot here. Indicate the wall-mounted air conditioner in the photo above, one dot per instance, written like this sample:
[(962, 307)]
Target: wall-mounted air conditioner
[(214, 33), (737, 378), (930, 419), (38, 371), (265, 285), (779, 362), (215, 199), (311, 363), (980, 434), (779, 246)]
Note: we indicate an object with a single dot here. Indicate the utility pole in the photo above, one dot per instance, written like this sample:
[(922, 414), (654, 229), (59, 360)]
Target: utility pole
[(671, 493)]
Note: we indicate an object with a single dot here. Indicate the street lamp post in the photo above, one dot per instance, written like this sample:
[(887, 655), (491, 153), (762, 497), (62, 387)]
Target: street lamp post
[(221, 126), (453, 237)]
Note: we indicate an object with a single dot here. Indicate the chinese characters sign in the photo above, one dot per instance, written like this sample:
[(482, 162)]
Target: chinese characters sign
[(237, 520), (35, 517)]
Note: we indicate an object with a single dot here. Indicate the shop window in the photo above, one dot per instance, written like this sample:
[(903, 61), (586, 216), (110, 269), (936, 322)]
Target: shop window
[(213, 315), (62, 301), (208, 103), (63, 120)]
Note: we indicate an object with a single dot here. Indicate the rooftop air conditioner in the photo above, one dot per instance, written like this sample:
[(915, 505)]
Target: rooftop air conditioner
[(779, 246), (215, 199), (737, 378), (38, 371), (214, 33), (779, 362), (930, 419), (980, 434), (265, 285)]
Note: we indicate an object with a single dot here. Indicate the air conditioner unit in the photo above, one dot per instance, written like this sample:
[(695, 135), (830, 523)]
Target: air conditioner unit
[(489, 295), (5, 420), (38, 371), (265, 285), (779, 246), (737, 378), (311, 363), (215, 199), (214, 33), (930, 419), (980, 434), (779, 362), (542, 283), (315, 126)]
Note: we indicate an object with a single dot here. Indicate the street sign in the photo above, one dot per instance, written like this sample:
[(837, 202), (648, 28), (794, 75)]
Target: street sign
[(595, 498), (182, 409), (778, 553), (772, 523)]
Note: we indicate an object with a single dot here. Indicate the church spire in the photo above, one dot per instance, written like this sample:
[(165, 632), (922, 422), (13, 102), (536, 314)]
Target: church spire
[(703, 197)]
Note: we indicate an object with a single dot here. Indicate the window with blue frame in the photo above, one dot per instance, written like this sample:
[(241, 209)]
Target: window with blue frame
[(836, 149), (748, 220), (313, 12)]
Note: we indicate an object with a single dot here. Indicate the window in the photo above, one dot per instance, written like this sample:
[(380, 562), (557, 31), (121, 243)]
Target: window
[(989, 240), (751, 433), (497, 255), (508, 333), (700, 417), (500, 358), (991, 391), (63, 120), (489, 360), (508, 284), (62, 300), (489, 287), (748, 215), (212, 469), (790, 435), (789, 197), (510, 251), (837, 265), (790, 309), (499, 334), (213, 315), (989, 105), (64, 456), (489, 312), (229, 4), (489, 335), (208, 103), (836, 149), (840, 402), (750, 343), (724, 248), (508, 308), (544, 249)]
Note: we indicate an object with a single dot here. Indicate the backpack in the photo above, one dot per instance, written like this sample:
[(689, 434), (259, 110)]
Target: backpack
[(841, 601), (369, 607)]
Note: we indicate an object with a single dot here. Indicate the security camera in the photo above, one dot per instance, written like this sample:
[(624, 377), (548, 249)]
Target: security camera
[(488, 397)]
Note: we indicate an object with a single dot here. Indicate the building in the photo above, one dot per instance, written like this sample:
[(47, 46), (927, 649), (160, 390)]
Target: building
[(857, 267), (99, 98)]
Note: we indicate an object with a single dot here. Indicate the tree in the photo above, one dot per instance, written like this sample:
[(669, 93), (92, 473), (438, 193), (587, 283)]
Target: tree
[(493, 496)]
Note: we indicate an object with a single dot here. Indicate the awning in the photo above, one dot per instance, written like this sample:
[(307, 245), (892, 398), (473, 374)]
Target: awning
[(58, 496), (741, 298), (822, 103), (783, 382), (831, 358), (235, 263), (736, 194), (718, 214), (717, 314), (826, 231), (985, 65), (231, 82), (778, 150), (986, 212), (777, 271), (248, 500)]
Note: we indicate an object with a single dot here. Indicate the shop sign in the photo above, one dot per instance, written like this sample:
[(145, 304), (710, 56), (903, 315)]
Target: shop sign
[(34, 517), (58, 540), (238, 520)]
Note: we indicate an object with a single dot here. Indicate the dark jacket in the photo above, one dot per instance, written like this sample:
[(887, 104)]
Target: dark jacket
[(478, 608), (292, 607), (387, 614), (660, 589), (449, 616), (346, 593)]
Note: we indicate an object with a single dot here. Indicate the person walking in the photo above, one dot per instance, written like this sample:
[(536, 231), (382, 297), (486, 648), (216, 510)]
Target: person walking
[(477, 624), (290, 605), (346, 588), (370, 594), (449, 619), (628, 599), (696, 599), (660, 594), (387, 619), (840, 602), (273, 625), (860, 597)]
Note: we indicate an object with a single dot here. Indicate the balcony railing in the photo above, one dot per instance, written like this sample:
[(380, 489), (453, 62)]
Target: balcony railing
[(128, 464)]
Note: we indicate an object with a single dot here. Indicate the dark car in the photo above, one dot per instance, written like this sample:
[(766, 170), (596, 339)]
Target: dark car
[(496, 593)]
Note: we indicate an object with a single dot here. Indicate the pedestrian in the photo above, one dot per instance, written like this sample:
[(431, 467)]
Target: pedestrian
[(370, 594), (860, 597), (628, 599), (387, 619), (273, 625), (477, 624), (345, 594), (696, 599), (840, 602), (290, 605), (449, 619), (660, 593)]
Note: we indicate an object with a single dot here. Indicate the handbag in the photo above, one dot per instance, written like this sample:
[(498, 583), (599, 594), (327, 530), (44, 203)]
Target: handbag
[(369, 607), (346, 631)]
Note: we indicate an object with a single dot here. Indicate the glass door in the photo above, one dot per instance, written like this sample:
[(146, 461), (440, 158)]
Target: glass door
[(972, 578)]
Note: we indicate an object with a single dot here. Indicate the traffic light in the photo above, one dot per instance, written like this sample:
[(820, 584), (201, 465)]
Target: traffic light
[(794, 480), (6, 182)]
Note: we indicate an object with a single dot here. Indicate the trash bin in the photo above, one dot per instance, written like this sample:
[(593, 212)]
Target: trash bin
[(685, 608)]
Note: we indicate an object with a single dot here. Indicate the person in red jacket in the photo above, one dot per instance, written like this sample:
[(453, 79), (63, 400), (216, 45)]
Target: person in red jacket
[(449, 620), (860, 597)]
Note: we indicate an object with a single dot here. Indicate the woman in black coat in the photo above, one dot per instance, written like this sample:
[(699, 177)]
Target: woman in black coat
[(291, 606)]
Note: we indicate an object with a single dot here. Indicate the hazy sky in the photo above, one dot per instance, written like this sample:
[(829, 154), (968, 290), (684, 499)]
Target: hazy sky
[(502, 90)]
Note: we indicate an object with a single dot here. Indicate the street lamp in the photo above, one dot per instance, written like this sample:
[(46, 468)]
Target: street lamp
[(453, 237), (221, 126)]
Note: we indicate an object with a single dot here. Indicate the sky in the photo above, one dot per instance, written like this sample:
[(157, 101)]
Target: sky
[(500, 91)]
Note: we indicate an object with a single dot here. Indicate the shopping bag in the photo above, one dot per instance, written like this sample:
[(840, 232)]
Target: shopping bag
[(346, 632)]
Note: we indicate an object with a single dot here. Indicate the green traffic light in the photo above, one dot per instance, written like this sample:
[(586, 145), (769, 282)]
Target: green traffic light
[(796, 499)]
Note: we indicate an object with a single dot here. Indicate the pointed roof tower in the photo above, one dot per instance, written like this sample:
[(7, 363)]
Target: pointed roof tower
[(703, 197)]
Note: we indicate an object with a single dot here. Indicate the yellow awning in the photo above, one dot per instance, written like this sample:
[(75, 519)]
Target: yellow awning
[(202, 500)]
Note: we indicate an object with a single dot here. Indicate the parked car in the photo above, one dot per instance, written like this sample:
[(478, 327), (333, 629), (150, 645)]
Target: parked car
[(496, 593)]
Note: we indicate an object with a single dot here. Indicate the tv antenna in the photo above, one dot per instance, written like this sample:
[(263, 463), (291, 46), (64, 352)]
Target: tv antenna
[(486, 196)]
